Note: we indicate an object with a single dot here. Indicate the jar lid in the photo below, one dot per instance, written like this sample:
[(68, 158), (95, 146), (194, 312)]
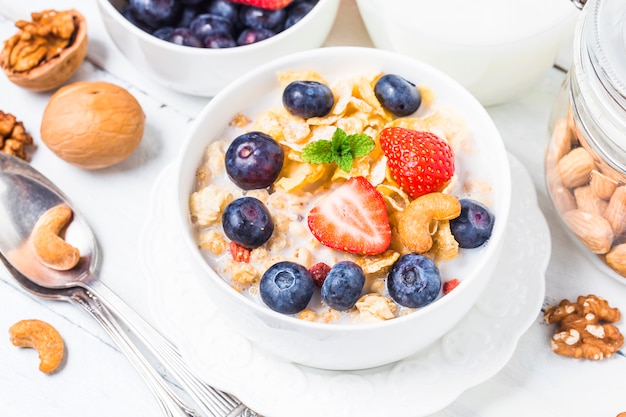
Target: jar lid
[(608, 24), (600, 79)]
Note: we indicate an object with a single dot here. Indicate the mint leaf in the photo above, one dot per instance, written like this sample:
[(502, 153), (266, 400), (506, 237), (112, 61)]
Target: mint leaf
[(361, 144), (345, 162), (318, 152), (339, 138), (341, 149)]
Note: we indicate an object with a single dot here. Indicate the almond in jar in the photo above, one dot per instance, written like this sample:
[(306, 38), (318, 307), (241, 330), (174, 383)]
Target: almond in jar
[(585, 158)]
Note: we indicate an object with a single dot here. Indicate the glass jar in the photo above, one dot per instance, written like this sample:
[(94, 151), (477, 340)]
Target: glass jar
[(586, 154)]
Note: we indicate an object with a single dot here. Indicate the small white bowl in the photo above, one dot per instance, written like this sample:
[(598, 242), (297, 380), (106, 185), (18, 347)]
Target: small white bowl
[(343, 346), (203, 71), (497, 49)]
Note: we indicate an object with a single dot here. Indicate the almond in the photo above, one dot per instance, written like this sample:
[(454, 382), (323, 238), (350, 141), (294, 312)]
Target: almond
[(575, 167), (615, 212), (602, 185), (594, 231), (616, 259), (604, 168), (588, 201), (571, 124), (563, 198), (561, 142)]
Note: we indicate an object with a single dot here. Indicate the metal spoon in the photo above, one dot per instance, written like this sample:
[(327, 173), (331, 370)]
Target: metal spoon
[(170, 403), (25, 194)]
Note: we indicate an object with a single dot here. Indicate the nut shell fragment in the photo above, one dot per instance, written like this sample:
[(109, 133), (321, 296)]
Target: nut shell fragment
[(36, 58)]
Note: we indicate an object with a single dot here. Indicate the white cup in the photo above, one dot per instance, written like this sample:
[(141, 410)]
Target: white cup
[(497, 49)]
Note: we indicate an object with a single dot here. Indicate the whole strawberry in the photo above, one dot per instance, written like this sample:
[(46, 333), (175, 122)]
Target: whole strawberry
[(264, 4), (420, 162)]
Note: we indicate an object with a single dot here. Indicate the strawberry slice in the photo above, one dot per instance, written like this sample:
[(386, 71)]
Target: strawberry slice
[(420, 162), (264, 4), (353, 218)]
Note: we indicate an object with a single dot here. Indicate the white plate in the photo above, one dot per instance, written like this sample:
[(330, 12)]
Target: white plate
[(473, 351)]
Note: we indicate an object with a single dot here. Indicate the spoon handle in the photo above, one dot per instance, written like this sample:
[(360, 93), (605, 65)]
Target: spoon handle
[(210, 401), (169, 401)]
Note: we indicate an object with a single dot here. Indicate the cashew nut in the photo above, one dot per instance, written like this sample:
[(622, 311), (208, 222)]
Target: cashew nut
[(50, 248), (415, 222), (42, 337)]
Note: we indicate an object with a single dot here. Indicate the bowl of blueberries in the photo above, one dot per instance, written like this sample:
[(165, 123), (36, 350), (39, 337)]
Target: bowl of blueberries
[(196, 47), (343, 207)]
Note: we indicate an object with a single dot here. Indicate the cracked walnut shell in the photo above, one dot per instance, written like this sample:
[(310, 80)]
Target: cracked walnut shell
[(46, 51), (92, 124), (13, 137)]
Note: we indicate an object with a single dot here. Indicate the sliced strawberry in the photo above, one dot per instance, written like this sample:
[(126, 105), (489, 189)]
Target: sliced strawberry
[(264, 4), (353, 218), (420, 162)]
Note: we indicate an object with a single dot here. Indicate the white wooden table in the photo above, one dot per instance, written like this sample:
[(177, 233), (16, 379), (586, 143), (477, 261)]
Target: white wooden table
[(98, 381)]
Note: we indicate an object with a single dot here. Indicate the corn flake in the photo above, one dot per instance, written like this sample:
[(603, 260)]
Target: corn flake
[(287, 77)]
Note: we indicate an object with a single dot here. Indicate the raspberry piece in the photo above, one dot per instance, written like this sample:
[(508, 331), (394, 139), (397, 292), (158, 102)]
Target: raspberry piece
[(450, 285), (319, 271), (239, 253)]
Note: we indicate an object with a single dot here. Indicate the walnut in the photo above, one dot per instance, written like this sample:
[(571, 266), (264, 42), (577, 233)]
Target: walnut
[(13, 137), (584, 328), (92, 124), (46, 51)]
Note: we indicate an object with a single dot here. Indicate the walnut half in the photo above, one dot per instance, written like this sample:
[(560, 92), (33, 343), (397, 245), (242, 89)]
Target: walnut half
[(46, 51), (585, 329)]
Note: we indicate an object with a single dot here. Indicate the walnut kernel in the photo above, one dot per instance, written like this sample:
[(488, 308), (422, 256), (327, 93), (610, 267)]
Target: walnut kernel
[(46, 51), (13, 137), (585, 329)]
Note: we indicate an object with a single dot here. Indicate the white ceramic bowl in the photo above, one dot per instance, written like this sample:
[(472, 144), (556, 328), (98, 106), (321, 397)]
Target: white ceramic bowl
[(497, 49), (344, 346), (202, 71)]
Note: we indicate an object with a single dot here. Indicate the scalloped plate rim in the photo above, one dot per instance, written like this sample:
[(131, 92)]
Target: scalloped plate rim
[(252, 395)]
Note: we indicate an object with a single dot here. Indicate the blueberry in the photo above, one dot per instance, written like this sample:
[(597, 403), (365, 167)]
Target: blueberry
[(247, 222), (164, 33), (257, 18), (156, 13), (207, 24), (474, 225), (343, 285), (190, 2), (296, 11), (184, 36), (253, 160), (286, 287), (397, 95), (308, 99), (414, 281), (187, 15), (219, 40), (129, 13), (226, 9), (251, 35)]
